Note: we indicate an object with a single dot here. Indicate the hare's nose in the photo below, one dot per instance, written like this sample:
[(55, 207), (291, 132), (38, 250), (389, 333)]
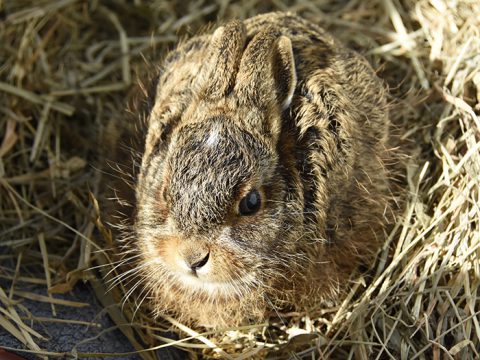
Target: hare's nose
[(196, 260)]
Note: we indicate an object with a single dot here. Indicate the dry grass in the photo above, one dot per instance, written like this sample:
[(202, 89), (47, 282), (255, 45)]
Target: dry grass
[(66, 67)]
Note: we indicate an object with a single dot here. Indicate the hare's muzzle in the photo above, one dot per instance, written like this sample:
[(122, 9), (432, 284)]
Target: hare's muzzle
[(187, 257), (194, 260)]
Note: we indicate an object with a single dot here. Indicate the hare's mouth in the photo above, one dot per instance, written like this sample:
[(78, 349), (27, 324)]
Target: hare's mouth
[(200, 269), (216, 288)]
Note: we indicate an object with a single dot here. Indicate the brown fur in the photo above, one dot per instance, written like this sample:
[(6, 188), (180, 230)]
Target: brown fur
[(224, 121)]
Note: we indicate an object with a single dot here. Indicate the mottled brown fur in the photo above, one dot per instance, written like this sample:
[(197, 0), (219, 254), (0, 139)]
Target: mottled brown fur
[(223, 121)]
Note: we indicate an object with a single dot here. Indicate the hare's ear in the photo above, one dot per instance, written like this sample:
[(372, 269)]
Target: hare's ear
[(267, 68), (283, 67), (224, 54)]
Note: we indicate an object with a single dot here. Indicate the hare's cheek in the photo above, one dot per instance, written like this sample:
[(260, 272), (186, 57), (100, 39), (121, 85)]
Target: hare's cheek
[(160, 207), (162, 250), (156, 250)]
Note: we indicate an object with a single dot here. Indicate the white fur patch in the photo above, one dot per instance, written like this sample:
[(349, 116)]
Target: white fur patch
[(213, 137), (213, 288)]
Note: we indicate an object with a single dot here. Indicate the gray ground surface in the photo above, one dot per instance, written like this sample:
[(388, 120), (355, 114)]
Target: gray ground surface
[(63, 337)]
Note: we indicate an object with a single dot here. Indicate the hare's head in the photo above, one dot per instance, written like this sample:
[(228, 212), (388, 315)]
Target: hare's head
[(214, 205)]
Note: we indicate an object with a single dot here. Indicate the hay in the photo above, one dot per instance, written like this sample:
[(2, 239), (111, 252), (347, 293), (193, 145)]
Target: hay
[(66, 68)]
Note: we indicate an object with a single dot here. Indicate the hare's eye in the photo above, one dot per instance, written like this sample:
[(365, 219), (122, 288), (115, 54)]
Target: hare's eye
[(250, 204)]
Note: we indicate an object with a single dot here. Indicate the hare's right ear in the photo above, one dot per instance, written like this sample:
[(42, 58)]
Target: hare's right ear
[(224, 53), (267, 72)]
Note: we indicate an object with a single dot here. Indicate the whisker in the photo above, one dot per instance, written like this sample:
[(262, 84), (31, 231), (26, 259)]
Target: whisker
[(116, 280)]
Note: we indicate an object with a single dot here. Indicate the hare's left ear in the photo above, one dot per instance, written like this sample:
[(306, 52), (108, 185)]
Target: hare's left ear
[(267, 68), (283, 68)]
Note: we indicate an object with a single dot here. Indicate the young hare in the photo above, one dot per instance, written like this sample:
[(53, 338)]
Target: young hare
[(262, 183)]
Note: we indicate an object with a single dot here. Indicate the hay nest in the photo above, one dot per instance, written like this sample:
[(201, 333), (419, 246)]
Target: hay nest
[(66, 68)]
